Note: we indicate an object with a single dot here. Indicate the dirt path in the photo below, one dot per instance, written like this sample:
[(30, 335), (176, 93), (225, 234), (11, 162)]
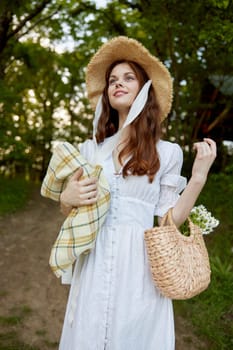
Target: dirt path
[(32, 299)]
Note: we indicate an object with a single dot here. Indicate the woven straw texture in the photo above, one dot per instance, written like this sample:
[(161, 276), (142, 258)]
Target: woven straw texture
[(124, 48), (179, 264)]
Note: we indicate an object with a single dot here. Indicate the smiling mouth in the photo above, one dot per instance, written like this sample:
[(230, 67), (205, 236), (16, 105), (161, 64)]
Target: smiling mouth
[(119, 93)]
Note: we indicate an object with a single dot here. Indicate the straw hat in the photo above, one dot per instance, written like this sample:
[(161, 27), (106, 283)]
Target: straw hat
[(124, 48)]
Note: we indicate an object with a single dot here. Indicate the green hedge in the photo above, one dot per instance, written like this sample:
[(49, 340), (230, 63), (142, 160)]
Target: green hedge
[(212, 311), (13, 194)]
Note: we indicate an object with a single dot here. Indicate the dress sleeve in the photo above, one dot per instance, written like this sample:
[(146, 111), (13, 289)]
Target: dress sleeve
[(171, 182)]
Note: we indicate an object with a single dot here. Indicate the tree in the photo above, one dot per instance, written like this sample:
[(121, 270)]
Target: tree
[(34, 85), (45, 47)]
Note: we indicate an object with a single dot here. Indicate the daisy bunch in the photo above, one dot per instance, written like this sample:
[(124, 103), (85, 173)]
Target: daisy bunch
[(201, 217)]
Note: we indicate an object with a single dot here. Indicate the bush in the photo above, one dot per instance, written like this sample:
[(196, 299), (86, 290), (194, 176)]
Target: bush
[(212, 311), (14, 194)]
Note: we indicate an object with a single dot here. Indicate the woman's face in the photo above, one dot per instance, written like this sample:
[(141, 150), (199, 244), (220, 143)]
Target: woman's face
[(123, 87)]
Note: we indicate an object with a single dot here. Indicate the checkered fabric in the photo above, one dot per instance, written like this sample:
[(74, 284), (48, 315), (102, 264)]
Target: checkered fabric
[(79, 230)]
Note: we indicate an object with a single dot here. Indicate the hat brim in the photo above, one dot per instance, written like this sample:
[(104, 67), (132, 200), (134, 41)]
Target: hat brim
[(124, 48)]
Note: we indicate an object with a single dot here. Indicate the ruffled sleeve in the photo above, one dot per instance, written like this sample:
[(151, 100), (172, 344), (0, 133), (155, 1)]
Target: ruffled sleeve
[(171, 182)]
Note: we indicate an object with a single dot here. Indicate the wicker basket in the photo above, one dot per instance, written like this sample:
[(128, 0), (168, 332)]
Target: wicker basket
[(179, 264)]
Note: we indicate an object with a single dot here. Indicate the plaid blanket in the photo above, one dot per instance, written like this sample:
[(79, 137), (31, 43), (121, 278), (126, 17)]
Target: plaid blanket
[(79, 230)]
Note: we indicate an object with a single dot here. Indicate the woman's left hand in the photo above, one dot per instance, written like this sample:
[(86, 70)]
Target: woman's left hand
[(206, 154)]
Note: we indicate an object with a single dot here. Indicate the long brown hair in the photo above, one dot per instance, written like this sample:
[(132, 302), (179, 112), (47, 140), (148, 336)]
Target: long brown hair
[(145, 130)]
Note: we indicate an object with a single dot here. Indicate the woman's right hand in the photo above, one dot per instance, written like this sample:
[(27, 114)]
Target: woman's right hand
[(79, 192)]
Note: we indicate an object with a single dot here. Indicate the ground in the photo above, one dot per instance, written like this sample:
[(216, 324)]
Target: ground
[(33, 300)]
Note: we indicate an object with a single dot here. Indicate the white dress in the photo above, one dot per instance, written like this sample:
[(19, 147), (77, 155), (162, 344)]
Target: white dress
[(113, 304)]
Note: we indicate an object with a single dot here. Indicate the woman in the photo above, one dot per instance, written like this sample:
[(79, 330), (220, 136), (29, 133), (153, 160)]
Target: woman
[(113, 304)]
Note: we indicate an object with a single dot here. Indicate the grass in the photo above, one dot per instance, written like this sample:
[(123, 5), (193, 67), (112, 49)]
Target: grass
[(212, 311), (9, 335), (10, 327), (14, 194), (10, 341), (17, 316)]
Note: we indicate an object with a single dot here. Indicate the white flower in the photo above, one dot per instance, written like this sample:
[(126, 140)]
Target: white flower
[(203, 218)]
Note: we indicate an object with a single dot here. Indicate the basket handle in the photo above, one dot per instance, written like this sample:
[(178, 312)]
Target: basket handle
[(167, 218)]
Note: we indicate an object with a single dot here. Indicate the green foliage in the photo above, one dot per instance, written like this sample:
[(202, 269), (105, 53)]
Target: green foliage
[(45, 47), (14, 194), (211, 312)]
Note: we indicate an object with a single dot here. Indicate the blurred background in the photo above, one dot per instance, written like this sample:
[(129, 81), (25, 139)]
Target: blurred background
[(44, 49)]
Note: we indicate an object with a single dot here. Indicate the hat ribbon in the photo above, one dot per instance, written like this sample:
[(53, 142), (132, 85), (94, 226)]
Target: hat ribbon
[(103, 151)]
